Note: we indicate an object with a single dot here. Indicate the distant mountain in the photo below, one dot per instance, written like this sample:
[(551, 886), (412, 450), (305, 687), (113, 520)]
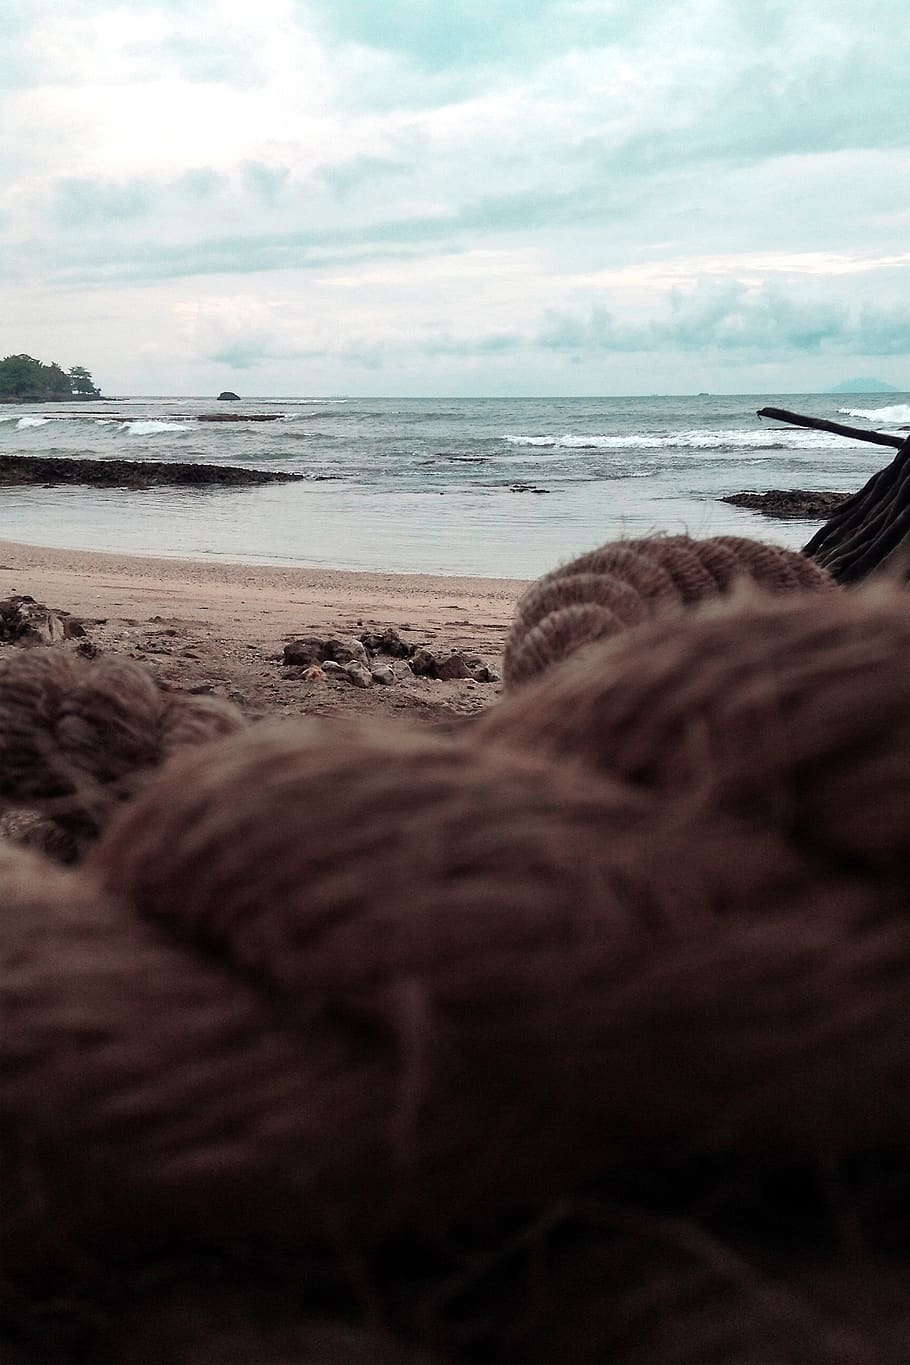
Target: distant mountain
[(864, 386)]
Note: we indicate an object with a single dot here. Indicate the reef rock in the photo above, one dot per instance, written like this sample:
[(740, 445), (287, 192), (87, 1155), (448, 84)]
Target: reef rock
[(28, 622), (798, 503)]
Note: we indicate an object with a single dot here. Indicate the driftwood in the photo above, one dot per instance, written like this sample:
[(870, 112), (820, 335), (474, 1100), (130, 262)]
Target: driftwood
[(796, 419), (870, 531)]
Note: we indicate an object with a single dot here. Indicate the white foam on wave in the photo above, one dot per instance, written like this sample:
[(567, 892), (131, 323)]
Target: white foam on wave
[(891, 415), (25, 422), (151, 428), (767, 438)]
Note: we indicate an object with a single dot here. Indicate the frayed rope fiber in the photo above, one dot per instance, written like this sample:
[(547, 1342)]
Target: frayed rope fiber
[(619, 585), (78, 736), (581, 1035)]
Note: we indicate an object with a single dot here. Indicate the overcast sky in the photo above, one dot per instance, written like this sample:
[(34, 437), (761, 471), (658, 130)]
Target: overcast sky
[(457, 196)]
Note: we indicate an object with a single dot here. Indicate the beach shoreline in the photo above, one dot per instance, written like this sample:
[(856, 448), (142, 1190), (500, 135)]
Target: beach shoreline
[(221, 627)]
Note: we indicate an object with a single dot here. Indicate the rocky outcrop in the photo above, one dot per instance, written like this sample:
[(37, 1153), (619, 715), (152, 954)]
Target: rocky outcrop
[(798, 503), (387, 641), (66, 469), (27, 622), (345, 658), (227, 396), (314, 649), (238, 416), (445, 665)]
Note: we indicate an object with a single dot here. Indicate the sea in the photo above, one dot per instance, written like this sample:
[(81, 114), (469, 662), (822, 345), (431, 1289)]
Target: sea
[(499, 487)]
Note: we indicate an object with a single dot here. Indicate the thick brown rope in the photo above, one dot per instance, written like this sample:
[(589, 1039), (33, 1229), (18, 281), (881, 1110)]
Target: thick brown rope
[(793, 713), (582, 1035), (79, 736), (636, 579)]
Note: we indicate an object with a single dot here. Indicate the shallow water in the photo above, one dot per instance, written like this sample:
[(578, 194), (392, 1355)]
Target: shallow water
[(485, 486)]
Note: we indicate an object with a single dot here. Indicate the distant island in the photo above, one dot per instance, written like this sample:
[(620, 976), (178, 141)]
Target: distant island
[(864, 386), (26, 380)]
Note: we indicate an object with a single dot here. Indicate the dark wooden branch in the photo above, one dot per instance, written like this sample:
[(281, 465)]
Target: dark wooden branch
[(870, 532), (796, 419)]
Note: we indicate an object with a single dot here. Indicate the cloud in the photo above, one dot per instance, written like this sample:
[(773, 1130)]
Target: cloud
[(461, 33), (240, 332), (87, 201), (328, 241), (149, 260), (201, 182), (265, 181), (346, 177), (487, 344), (730, 318), (206, 57), (751, 158), (883, 331)]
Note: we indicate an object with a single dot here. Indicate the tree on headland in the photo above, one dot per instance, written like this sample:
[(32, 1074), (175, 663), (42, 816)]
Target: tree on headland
[(82, 384), (24, 379)]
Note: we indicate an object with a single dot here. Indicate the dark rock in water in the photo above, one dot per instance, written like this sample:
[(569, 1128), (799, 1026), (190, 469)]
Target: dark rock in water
[(238, 416), (226, 396), (66, 469), (789, 502)]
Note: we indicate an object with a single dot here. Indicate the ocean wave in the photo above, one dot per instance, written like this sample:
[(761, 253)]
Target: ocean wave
[(151, 428), (764, 438), (25, 422), (891, 415), (312, 407)]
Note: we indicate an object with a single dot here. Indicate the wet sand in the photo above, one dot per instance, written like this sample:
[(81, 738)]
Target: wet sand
[(221, 627)]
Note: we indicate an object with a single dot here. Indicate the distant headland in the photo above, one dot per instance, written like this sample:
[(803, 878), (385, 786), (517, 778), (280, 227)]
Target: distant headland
[(864, 386), (26, 380)]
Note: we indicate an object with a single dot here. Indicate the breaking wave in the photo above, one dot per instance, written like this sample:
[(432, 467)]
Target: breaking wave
[(892, 414), (764, 438), (151, 428)]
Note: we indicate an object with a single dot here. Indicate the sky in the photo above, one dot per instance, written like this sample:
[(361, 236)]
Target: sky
[(466, 197)]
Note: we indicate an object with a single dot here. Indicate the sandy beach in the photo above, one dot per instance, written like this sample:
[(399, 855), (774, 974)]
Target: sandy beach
[(222, 627)]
